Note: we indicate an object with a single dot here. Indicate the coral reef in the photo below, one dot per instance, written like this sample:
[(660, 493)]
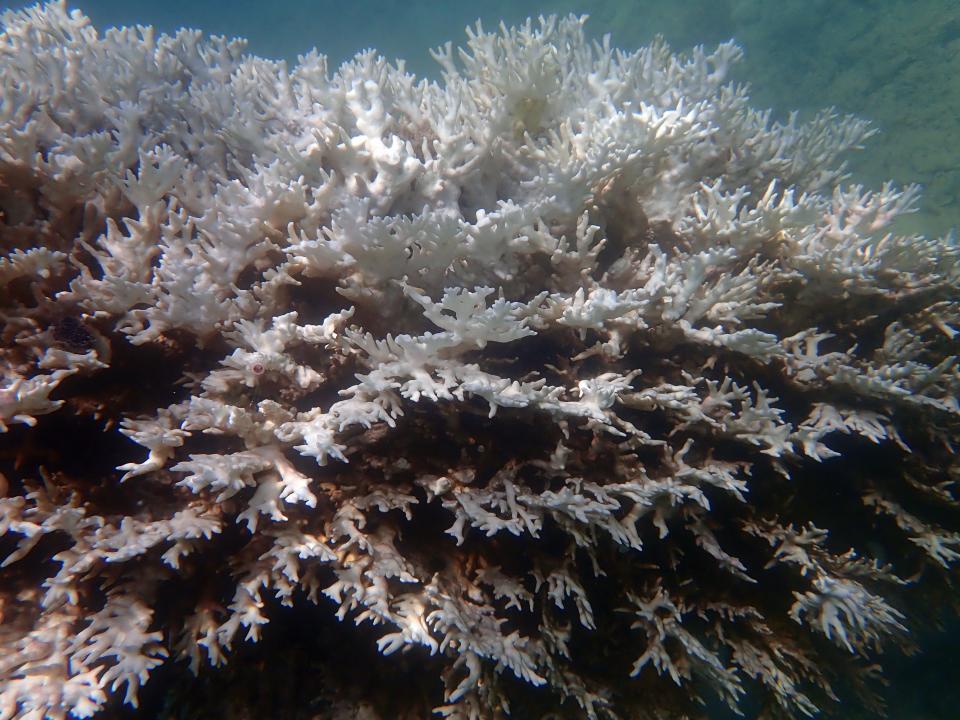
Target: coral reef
[(572, 384)]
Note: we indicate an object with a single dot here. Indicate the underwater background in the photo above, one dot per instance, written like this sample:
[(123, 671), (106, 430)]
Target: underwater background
[(893, 62)]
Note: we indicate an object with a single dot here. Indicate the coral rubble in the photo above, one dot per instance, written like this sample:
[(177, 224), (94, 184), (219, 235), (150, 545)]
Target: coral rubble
[(572, 377)]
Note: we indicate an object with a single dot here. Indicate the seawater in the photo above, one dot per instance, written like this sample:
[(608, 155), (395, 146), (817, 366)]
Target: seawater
[(893, 62)]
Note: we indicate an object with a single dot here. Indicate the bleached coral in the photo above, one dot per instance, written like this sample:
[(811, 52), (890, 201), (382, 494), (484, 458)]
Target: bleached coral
[(570, 355)]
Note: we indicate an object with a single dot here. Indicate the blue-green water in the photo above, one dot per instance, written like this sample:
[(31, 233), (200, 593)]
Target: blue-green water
[(894, 62)]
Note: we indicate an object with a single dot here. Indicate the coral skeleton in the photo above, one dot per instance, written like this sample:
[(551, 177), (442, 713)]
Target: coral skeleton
[(567, 385)]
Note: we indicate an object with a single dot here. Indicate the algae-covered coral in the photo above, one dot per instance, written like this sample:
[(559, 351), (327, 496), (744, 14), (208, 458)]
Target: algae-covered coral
[(571, 383)]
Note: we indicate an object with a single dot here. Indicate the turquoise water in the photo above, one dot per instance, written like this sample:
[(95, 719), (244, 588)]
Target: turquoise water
[(894, 62)]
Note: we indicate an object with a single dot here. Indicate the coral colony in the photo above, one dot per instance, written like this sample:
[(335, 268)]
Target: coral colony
[(568, 386)]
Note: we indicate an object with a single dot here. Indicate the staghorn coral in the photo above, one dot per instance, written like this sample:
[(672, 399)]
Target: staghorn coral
[(576, 386)]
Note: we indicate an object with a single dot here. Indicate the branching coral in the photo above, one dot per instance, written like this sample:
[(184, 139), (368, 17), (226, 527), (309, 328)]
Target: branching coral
[(572, 376)]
